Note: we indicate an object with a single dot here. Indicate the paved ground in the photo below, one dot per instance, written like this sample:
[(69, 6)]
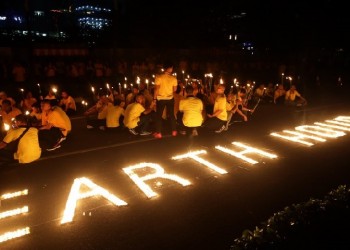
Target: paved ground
[(208, 214)]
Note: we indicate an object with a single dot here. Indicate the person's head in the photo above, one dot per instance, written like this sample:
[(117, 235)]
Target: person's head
[(293, 87), (3, 95), (142, 86), (189, 90), (220, 89), (64, 94), (135, 89), (262, 86), (20, 121), (29, 94), (46, 105), (6, 105), (36, 107), (168, 67), (281, 87), (140, 99)]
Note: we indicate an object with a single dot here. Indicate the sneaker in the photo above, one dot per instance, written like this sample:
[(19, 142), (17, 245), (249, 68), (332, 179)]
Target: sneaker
[(63, 138), (174, 133), (182, 132), (133, 131), (145, 133), (53, 148), (157, 135), (220, 129), (89, 127), (194, 132)]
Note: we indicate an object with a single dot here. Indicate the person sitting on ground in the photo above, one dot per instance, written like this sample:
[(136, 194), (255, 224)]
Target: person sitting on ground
[(67, 103), (217, 120), (98, 112), (190, 116), (51, 95), (3, 96), (114, 114), (233, 106), (8, 113), (35, 115), (56, 125), (270, 91), (136, 118), (260, 92), (279, 95), (21, 143), (294, 98), (27, 102), (130, 98)]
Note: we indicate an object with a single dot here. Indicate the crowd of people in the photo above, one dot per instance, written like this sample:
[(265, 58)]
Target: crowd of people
[(35, 125)]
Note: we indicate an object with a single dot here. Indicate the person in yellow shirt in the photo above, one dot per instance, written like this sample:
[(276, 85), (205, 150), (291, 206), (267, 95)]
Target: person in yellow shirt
[(8, 113), (191, 109), (96, 115), (3, 96), (114, 114), (294, 98), (24, 150), (165, 86), (136, 118), (217, 120), (67, 103), (56, 125)]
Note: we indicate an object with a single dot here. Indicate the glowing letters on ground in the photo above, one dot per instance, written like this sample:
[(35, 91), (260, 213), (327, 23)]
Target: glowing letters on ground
[(330, 129), (247, 150), (343, 119), (14, 234), (14, 194), (9, 213), (317, 130), (332, 126), (194, 156), (76, 195), (298, 137), (14, 212), (159, 173)]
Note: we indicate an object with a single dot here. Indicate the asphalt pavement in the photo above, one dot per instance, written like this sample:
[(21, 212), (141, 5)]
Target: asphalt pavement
[(208, 212)]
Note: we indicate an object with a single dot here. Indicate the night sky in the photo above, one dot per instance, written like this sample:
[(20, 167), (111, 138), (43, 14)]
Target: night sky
[(201, 23)]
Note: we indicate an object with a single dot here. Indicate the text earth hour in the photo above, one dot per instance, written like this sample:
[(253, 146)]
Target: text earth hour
[(305, 135)]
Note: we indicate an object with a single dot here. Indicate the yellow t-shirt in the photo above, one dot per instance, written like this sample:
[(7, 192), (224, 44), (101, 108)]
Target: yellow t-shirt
[(132, 114), (7, 117), (69, 103), (28, 146), (113, 115), (192, 108), (230, 105), (290, 96), (102, 110), (220, 104), (166, 85), (58, 118)]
